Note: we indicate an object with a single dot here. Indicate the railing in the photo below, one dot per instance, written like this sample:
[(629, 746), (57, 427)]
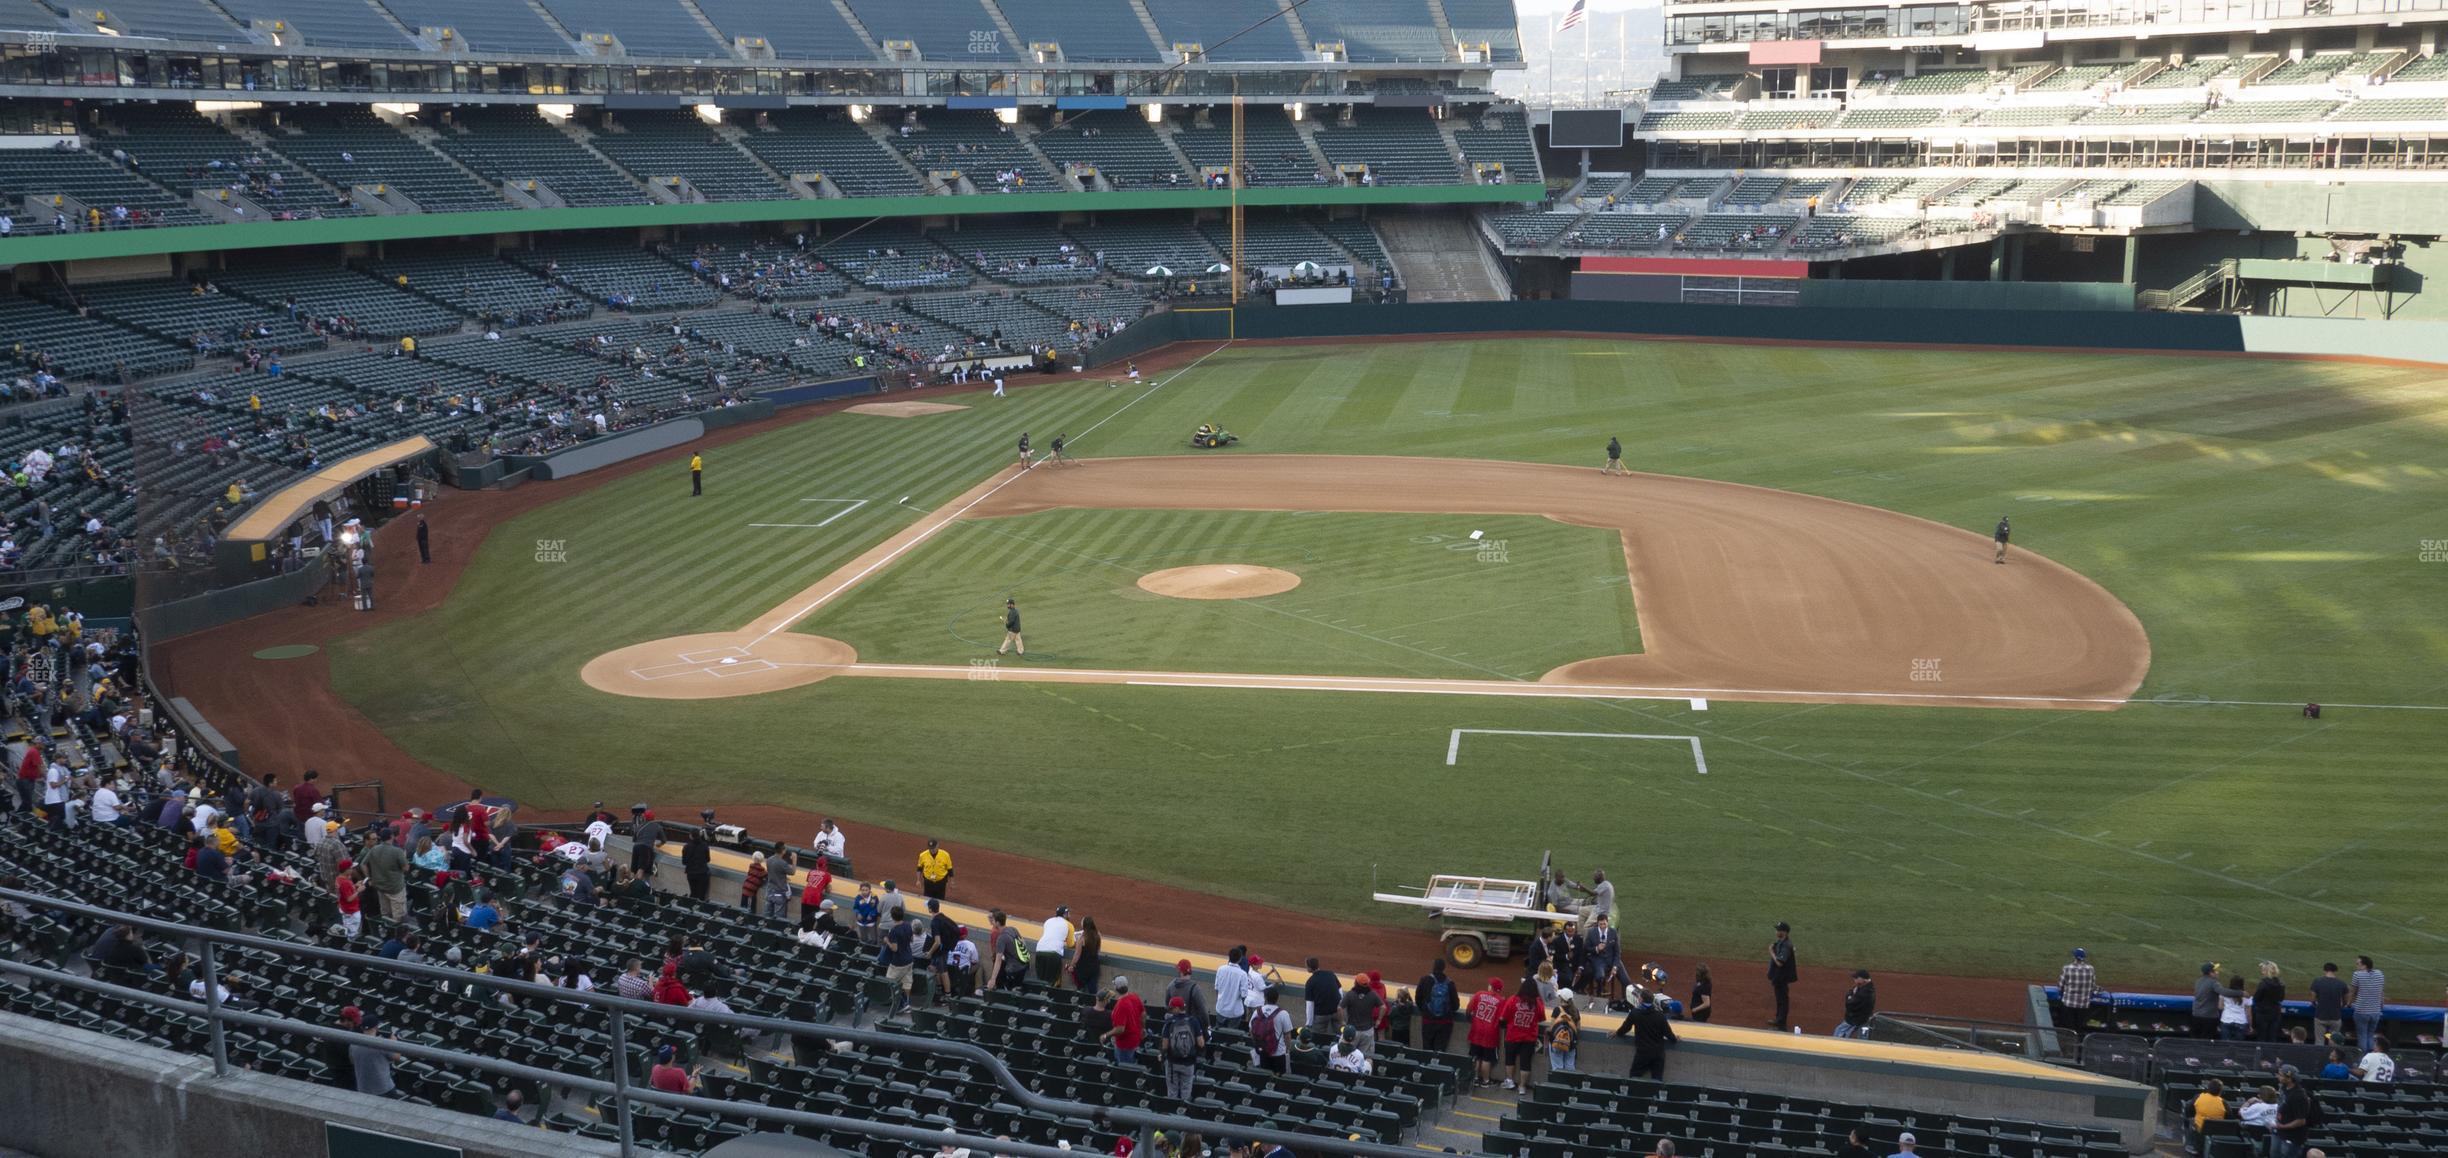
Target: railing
[(617, 1012), (1969, 1033)]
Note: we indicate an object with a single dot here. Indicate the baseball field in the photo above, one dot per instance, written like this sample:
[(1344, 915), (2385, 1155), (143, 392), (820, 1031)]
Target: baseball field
[(1774, 674)]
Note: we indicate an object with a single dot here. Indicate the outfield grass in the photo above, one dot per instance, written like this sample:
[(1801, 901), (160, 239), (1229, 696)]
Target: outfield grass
[(1393, 595), (2264, 519)]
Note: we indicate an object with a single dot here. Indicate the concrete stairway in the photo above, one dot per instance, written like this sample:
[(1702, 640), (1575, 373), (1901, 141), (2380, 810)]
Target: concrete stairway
[(1440, 257)]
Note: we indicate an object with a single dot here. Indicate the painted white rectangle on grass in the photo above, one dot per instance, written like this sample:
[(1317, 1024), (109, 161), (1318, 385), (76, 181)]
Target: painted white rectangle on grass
[(1453, 746)]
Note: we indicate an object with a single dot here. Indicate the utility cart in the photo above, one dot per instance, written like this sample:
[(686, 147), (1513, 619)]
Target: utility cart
[(1483, 918)]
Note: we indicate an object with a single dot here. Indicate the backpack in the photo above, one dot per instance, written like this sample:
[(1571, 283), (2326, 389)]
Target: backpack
[(1180, 1038), (1439, 1003), (1263, 1037)]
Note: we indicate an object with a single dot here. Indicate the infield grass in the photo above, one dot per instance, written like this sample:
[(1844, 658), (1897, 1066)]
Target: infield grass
[(2266, 520), (1392, 595)]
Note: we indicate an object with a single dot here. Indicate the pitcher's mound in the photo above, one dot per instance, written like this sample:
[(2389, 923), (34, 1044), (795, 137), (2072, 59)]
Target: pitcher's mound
[(1219, 581), (904, 409), (717, 665)]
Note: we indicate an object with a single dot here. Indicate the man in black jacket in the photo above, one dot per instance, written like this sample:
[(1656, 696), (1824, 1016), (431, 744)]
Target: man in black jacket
[(1861, 1004), (1781, 973), (1651, 1033), (1324, 997), (696, 863)]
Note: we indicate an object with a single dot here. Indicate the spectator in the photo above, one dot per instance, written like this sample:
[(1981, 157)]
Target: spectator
[(483, 913), (696, 857), (900, 957), (2077, 983), (1487, 1030), (941, 936), (1052, 944), (1185, 988), (1088, 959), (1003, 948), (1563, 1034), (1322, 997), (645, 837), (867, 911), (2268, 1003), (1860, 1006), (831, 842), (369, 1062), (1129, 1023), (1231, 981), (2210, 1105), (1270, 1030), (1703, 995), (2336, 1069), (1651, 1033), (2235, 1015), (2206, 1001), (1783, 971), (2295, 1115), (667, 1075), (2377, 1066), (752, 885), (346, 889), (633, 982), (816, 895), (2366, 997), (2260, 1118), (1185, 1039), (778, 887), (1521, 1014), (668, 988), (1345, 1055), (1362, 1008), (2328, 1005), (1439, 1000), (386, 873), (1854, 1145)]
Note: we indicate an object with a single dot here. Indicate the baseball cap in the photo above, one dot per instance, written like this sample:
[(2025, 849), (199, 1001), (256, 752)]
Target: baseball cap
[(351, 1015), (1861, 975), (1178, 1003), (1906, 1140), (1182, 967), (1121, 982), (1256, 961), (2209, 966), (2079, 954), (665, 1053), (1564, 994), (1782, 927)]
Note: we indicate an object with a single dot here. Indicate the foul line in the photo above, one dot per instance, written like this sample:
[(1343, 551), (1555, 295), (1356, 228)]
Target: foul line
[(947, 520), (1453, 747)]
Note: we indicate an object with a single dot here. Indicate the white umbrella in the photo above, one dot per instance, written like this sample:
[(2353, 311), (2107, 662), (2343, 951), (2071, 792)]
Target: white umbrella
[(1219, 267), (1159, 271), (1308, 267)]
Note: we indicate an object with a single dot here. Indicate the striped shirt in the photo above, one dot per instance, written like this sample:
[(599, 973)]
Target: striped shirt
[(2076, 983), (2367, 989)]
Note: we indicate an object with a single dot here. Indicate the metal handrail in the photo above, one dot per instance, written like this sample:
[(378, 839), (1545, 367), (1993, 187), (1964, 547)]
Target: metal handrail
[(618, 1010)]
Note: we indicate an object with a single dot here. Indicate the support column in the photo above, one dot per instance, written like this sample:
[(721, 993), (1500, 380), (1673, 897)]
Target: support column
[(2133, 244), (1997, 258), (2014, 256), (1946, 265)]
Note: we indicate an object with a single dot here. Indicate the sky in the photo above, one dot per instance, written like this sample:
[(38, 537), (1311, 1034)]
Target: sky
[(1607, 70)]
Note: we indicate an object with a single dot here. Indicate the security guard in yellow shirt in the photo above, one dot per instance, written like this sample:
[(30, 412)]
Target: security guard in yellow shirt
[(934, 870), (696, 475)]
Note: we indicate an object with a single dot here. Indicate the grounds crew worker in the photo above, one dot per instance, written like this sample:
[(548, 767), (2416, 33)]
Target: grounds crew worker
[(934, 870), (1011, 628), (1614, 462), (696, 474), (2003, 533)]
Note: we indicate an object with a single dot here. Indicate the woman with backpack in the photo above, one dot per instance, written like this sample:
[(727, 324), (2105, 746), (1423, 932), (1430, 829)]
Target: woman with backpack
[(1564, 1034)]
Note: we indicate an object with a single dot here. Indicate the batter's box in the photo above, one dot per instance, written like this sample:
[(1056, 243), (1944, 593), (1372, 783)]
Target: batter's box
[(667, 670), (716, 656), (741, 668)]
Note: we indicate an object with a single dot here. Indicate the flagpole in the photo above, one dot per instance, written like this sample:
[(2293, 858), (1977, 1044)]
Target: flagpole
[(1585, 61)]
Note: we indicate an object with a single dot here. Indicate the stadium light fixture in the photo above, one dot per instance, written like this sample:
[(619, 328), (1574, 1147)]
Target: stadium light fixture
[(208, 108), (860, 113), (398, 109), (1297, 109), (1009, 116), (710, 114), (1155, 113), (557, 113)]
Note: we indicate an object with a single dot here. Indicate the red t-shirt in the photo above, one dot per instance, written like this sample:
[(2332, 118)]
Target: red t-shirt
[(1486, 1012), (302, 800), (344, 891), (1130, 1016), (819, 883), (479, 821), (669, 1079), (1521, 1018)]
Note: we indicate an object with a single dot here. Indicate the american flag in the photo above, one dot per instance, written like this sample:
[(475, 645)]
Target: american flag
[(1572, 19)]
